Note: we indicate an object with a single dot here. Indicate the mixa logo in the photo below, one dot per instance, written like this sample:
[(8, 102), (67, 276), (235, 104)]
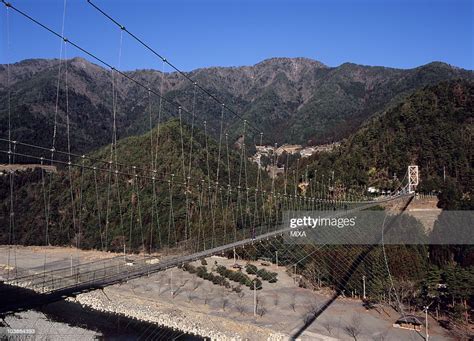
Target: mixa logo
[(297, 233)]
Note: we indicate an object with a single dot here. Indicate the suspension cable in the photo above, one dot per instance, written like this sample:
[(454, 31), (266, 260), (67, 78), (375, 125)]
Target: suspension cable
[(187, 77), (98, 59)]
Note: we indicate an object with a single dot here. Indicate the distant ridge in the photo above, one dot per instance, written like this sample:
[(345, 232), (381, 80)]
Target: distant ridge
[(290, 99)]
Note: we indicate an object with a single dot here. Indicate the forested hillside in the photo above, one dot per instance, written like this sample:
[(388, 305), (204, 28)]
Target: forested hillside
[(432, 128), (109, 197)]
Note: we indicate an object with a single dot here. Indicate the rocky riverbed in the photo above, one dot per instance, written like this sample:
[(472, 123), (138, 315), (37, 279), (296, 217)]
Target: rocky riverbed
[(170, 316)]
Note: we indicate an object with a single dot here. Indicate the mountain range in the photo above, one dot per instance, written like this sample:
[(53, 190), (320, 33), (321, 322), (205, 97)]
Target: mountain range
[(294, 100)]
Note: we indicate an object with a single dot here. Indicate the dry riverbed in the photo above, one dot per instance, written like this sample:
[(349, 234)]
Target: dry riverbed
[(180, 300)]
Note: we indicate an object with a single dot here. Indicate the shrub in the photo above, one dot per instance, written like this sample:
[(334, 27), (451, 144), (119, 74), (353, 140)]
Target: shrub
[(189, 268), (215, 279), (201, 270), (238, 277), (251, 269), (237, 289), (221, 269), (262, 273), (243, 281), (258, 284)]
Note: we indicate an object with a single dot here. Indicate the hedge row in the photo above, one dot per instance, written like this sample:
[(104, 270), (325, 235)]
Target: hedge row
[(239, 277), (201, 271), (269, 276)]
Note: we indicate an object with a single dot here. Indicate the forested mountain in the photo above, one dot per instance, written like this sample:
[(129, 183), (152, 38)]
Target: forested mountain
[(432, 128), (290, 100), (109, 196)]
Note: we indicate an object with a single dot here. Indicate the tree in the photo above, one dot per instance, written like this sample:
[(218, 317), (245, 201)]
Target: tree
[(256, 283), (251, 269), (293, 302), (328, 326), (190, 296), (239, 306), (354, 328), (261, 310), (459, 283), (275, 299), (196, 283), (450, 197), (430, 286), (224, 303)]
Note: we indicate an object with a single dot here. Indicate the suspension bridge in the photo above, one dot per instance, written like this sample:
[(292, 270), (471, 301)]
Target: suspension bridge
[(59, 284), (173, 210)]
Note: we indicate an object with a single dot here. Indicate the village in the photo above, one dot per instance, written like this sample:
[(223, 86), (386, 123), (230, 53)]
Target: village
[(267, 157)]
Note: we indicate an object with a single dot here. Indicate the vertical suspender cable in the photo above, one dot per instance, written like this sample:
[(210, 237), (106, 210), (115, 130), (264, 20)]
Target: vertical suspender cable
[(10, 153)]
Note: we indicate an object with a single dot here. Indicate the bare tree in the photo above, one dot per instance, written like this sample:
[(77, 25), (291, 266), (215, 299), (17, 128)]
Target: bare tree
[(239, 306), (381, 337), (259, 300), (276, 299), (354, 328), (306, 317), (261, 310), (158, 282), (310, 312), (196, 283), (338, 325), (313, 275), (293, 302), (190, 295), (207, 296), (224, 303), (328, 326), (179, 288)]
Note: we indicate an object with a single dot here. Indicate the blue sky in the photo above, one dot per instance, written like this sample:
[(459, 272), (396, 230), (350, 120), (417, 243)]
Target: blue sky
[(203, 33)]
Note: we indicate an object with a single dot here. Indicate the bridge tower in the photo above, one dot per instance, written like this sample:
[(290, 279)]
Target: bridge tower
[(413, 178)]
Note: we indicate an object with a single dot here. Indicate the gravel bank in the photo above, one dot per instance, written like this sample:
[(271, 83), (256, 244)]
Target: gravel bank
[(170, 316)]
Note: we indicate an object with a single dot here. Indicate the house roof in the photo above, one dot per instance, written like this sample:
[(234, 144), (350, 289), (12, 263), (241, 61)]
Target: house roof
[(412, 319)]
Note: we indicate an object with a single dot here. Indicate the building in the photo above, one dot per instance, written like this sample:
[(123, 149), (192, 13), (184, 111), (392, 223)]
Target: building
[(6, 169), (373, 190), (410, 322), (289, 149)]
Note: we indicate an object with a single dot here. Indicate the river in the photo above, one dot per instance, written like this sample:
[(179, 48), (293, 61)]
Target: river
[(70, 321)]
